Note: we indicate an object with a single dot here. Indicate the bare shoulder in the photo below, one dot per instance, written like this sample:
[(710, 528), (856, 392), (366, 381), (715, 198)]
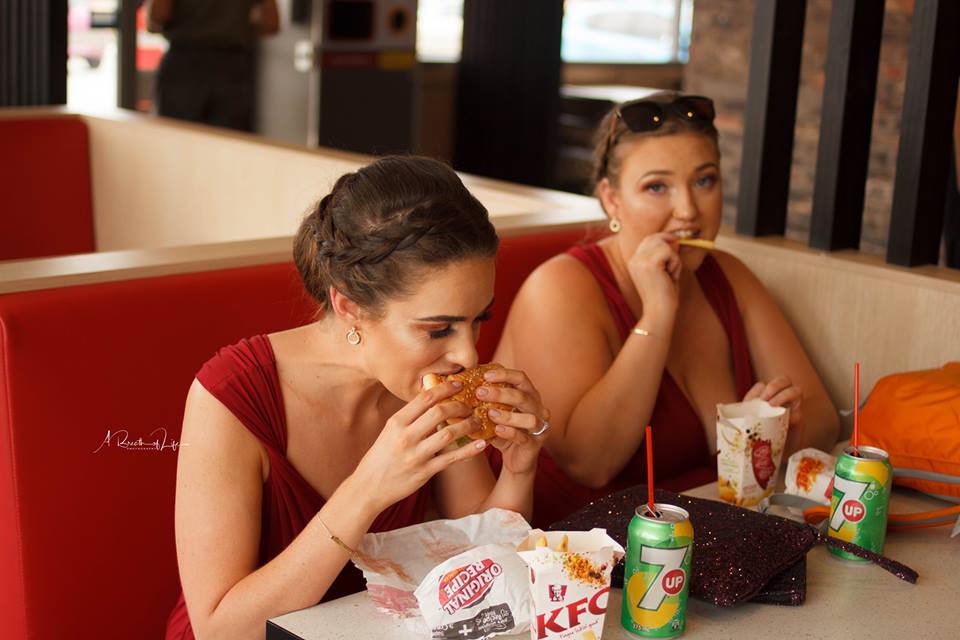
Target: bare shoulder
[(211, 431), (560, 317), (560, 299), (773, 344), (733, 267), (562, 283), (746, 285), (218, 503)]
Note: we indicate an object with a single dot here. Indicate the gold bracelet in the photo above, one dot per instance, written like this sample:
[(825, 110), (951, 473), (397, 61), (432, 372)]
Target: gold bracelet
[(340, 543), (640, 332)]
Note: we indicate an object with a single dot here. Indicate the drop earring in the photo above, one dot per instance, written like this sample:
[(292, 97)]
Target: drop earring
[(353, 336)]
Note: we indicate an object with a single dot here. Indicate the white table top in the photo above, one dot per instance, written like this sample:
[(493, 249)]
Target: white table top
[(844, 599)]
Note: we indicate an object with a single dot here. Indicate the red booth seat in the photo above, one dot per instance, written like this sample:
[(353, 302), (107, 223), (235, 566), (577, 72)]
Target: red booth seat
[(46, 202), (86, 527)]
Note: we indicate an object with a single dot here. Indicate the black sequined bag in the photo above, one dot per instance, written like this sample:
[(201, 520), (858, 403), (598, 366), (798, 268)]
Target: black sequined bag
[(738, 555)]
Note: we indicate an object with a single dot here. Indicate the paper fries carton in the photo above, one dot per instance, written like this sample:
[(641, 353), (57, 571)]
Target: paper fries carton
[(569, 589), (750, 439)]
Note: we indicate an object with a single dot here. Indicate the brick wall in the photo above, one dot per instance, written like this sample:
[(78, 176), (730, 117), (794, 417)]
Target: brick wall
[(719, 67)]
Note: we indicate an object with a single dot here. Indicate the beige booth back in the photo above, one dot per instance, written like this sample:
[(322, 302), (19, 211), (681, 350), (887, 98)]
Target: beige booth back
[(848, 307)]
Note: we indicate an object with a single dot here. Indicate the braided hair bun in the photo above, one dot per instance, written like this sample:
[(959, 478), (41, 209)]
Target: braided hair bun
[(369, 237)]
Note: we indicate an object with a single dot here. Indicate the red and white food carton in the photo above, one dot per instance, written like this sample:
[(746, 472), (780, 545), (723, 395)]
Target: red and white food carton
[(569, 582), (477, 594), (810, 475)]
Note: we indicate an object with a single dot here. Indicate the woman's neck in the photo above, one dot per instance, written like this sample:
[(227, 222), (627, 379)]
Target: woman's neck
[(326, 373)]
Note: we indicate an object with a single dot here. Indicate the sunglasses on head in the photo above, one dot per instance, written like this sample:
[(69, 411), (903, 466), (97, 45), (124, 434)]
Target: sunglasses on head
[(645, 115)]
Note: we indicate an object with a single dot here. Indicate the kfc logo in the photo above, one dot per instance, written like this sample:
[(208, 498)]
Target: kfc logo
[(568, 617), (558, 592)]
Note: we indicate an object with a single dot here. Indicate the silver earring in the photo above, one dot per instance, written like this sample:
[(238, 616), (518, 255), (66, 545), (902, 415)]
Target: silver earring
[(353, 336), (614, 225)]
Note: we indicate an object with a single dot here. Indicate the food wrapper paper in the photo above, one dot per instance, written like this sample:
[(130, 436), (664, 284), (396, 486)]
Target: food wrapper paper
[(477, 594), (810, 475), (395, 563)]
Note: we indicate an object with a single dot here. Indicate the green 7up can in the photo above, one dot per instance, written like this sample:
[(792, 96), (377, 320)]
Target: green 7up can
[(861, 493), (657, 572)]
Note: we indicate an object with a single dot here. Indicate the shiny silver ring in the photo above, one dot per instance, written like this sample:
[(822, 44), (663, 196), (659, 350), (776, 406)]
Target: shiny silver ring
[(542, 430)]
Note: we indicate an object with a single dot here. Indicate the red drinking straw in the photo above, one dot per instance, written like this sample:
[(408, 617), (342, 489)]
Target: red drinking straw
[(856, 409), (650, 471)]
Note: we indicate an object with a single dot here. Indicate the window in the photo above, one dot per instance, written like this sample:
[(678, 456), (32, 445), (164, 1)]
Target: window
[(626, 31), (439, 30), (93, 64), (594, 31)]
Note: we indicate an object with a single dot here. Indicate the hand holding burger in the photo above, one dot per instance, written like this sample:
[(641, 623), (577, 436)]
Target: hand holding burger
[(472, 380), (509, 409)]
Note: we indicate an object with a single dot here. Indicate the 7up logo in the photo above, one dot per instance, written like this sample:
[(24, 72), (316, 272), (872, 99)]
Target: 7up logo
[(849, 507), (670, 576)]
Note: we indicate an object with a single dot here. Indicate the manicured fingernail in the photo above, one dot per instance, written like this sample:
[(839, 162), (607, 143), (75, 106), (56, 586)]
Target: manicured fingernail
[(493, 413), (457, 384), (482, 391), (501, 428), (480, 444), (490, 375)]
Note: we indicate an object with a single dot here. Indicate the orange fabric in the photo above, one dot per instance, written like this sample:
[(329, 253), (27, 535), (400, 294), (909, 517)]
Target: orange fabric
[(915, 417)]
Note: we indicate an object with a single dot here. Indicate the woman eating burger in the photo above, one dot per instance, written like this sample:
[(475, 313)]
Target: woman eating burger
[(297, 443)]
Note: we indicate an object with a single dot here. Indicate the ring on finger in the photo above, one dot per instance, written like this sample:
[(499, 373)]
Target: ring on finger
[(544, 427)]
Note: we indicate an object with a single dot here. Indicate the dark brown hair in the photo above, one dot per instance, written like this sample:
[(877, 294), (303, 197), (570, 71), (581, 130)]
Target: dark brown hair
[(381, 224), (606, 161)]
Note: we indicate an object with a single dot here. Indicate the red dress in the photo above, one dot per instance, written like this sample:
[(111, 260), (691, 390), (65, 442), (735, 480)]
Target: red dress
[(682, 458), (244, 378)]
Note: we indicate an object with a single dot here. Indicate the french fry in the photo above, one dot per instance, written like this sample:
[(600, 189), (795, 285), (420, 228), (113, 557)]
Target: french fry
[(697, 242), (542, 541), (564, 543), (589, 635)]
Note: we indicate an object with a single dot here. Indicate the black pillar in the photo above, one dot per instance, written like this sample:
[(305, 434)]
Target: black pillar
[(843, 153), (933, 63), (771, 112), (33, 52), (509, 89), (951, 215), (127, 53)]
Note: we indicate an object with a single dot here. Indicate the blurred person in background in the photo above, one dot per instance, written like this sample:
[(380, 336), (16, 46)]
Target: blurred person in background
[(208, 73)]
